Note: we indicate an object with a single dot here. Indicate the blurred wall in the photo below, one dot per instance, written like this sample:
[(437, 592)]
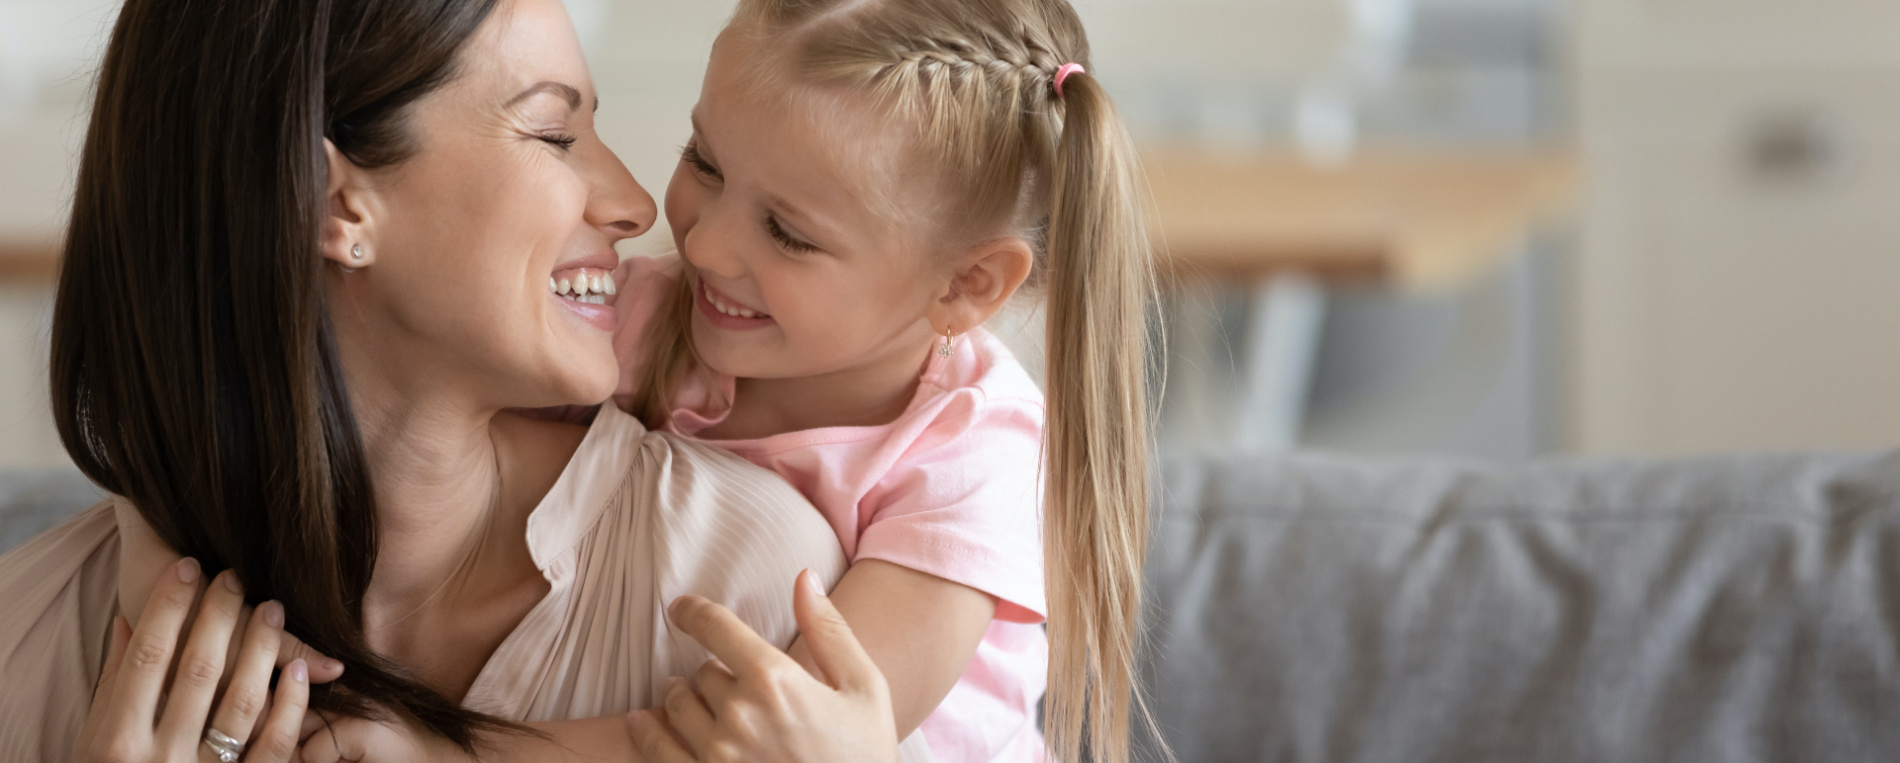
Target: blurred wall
[(1741, 247), (1733, 285)]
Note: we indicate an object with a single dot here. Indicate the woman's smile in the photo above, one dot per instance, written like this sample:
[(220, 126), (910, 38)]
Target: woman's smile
[(586, 287)]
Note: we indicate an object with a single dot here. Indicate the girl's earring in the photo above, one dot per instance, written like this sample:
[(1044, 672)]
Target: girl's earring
[(356, 254), (948, 348)]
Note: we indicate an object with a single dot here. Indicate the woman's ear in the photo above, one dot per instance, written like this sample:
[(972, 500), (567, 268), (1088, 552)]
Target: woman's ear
[(347, 235), (986, 277)]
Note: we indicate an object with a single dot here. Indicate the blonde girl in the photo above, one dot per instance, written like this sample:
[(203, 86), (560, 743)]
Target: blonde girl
[(868, 182)]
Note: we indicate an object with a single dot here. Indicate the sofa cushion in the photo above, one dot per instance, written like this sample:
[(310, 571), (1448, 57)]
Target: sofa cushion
[(1318, 608)]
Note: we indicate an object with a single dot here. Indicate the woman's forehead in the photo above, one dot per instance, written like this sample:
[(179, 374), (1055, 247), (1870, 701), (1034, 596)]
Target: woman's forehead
[(525, 43)]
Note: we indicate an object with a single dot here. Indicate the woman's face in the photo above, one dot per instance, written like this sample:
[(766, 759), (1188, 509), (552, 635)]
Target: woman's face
[(510, 197)]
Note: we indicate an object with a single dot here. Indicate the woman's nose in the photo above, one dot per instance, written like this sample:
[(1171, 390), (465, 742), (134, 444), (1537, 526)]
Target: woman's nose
[(617, 204)]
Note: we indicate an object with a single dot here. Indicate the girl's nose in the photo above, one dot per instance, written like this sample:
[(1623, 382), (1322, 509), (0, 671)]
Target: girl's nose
[(712, 245)]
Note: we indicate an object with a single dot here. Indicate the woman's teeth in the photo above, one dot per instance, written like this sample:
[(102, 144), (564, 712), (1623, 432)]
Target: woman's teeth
[(582, 286), (732, 310)]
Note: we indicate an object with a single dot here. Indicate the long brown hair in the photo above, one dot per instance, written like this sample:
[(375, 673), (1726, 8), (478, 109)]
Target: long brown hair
[(975, 79), (194, 369)]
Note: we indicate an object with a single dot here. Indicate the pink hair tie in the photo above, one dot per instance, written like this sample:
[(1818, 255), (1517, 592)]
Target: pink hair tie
[(1063, 72)]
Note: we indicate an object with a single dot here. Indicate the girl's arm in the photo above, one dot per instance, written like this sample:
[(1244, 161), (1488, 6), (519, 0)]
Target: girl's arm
[(920, 629)]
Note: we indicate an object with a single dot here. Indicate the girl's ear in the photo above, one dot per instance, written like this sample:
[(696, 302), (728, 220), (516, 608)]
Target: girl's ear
[(348, 235), (987, 276)]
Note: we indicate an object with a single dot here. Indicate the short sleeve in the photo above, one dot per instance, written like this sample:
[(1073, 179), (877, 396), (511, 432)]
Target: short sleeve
[(963, 503)]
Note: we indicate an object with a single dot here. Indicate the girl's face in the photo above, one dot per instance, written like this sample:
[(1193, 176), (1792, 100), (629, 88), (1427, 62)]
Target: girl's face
[(510, 189), (783, 209)]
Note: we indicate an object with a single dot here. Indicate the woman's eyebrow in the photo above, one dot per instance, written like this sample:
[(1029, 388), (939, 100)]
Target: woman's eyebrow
[(566, 91)]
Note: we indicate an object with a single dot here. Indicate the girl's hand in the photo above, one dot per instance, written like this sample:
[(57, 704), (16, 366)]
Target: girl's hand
[(754, 703), (145, 710)]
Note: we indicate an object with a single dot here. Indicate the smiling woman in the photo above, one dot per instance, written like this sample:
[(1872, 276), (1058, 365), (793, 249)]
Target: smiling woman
[(302, 288)]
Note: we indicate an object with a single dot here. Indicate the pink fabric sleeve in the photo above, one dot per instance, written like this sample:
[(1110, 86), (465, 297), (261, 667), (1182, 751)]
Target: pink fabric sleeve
[(645, 283), (964, 503)]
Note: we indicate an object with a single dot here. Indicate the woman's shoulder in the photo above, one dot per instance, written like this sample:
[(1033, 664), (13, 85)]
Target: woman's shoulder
[(708, 496), (735, 533), (58, 595)]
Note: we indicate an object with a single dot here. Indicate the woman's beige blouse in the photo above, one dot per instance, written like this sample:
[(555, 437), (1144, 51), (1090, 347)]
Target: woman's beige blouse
[(637, 519)]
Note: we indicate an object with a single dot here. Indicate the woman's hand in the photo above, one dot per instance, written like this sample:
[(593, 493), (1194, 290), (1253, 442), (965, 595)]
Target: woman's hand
[(754, 703), (145, 710)]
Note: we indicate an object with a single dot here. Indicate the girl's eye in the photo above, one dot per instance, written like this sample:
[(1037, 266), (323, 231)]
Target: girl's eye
[(560, 140), (785, 239), (690, 155)]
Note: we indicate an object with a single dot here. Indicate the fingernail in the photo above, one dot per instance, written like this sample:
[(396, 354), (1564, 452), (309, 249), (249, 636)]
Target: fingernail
[(273, 614), (299, 671), (331, 664), (811, 582), (231, 582), (187, 570), (672, 682)]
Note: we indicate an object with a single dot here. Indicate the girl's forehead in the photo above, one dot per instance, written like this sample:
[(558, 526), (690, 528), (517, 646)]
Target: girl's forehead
[(812, 146)]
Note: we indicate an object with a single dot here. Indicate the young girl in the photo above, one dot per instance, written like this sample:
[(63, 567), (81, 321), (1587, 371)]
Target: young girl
[(866, 185)]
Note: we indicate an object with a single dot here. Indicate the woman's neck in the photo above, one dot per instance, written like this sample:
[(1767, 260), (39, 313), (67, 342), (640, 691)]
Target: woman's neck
[(438, 483), (455, 484), (871, 394)]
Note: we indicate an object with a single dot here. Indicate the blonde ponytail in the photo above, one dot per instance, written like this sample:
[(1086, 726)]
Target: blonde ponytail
[(1095, 520)]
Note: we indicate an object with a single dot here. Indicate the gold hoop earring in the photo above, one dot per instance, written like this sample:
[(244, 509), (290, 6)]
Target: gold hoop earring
[(947, 349)]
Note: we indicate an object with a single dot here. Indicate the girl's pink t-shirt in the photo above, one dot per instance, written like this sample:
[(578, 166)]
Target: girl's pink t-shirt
[(951, 488)]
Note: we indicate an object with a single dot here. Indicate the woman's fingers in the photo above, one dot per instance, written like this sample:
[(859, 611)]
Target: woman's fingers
[(654, 738), (323, 669), (727, 637), (277, 741), (833, 646), (201, 665), (249, 691), (148, 656)]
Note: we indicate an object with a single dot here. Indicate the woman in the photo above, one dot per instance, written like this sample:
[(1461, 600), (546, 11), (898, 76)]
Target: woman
[(308, 271)]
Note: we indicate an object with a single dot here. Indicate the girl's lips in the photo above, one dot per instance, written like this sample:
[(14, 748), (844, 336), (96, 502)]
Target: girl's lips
[(722, 320)]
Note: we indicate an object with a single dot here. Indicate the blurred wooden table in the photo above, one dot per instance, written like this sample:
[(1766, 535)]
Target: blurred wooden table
[(28, 261), (1285, 229)]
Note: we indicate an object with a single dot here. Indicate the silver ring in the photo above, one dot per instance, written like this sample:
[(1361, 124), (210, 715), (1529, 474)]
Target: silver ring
[(228, 749)]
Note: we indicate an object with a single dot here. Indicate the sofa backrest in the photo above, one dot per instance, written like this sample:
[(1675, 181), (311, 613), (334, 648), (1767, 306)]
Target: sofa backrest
[(1317, 608)]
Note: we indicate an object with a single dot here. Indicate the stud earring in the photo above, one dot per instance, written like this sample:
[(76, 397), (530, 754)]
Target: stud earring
[(947, 349), (356, 252)]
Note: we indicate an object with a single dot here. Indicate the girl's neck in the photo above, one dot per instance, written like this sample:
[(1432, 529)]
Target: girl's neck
[(872, 394)]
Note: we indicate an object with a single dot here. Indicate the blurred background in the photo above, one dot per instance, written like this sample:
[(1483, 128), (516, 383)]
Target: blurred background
[(1501, 228)]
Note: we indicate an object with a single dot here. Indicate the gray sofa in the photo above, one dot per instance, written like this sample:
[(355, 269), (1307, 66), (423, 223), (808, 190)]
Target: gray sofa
[(1322, 609), (1727, 609)]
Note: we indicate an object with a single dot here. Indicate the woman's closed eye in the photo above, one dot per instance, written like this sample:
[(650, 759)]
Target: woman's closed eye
[(690, 154), (785, 239), (562, 141)]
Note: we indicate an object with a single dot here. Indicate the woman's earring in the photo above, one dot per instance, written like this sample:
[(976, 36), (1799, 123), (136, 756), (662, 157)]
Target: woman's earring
[(947, 349), (356, 252)]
